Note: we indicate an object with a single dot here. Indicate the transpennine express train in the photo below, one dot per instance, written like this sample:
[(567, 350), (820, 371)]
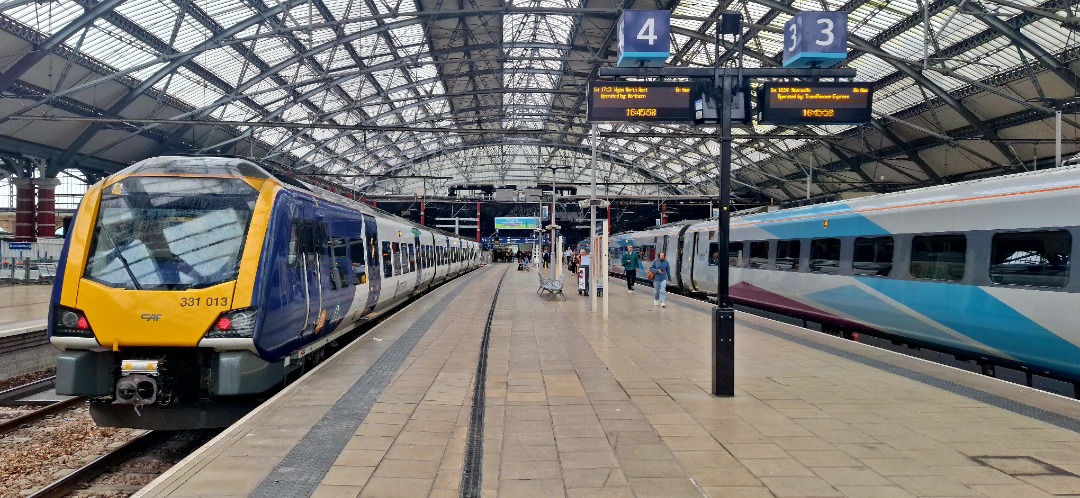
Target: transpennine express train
[(190, 285), (979, 269)]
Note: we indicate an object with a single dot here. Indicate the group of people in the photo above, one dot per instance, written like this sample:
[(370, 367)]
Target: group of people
[(660, 269)]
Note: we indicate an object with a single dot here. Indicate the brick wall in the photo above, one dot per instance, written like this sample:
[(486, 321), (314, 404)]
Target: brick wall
[(25, 353)]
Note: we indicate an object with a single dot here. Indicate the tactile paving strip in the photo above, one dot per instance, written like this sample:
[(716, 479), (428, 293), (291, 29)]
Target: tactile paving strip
[(1039, 414), (471, 474), (305, 466)]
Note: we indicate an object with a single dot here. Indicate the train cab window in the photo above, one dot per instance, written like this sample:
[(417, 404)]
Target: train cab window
[(736, 254), (759, 254), (412, 257), (825, 256), (714, 253), (787, 255), (387, 260), (339, 261), (873, 256), (356, 257), (1038, 259), (938, 257)]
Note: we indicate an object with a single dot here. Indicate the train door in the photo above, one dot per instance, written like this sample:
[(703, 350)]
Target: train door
[(415, 254), (680, 257), (692, 260), (374, 269), (310, 264)]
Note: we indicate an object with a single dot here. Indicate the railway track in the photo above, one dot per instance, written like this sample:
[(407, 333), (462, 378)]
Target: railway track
[(16, 395), (17, 422), (70, 482)]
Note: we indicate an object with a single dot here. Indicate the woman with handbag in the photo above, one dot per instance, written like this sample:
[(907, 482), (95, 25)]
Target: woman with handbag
[(660, 270)]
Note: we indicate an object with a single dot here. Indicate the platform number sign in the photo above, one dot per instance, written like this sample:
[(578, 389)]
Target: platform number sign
[(644, 38), (815, 39)]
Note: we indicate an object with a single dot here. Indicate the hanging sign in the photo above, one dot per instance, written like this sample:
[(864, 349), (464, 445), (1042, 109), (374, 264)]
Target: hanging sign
[(815, 39), (644, 38)]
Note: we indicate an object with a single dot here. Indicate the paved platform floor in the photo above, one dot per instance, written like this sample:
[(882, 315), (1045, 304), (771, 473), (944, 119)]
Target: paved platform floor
[(580, 407), (24, 307)]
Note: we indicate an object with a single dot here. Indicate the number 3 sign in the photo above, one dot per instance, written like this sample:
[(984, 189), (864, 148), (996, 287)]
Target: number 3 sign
[(644, 37), (815, 39)]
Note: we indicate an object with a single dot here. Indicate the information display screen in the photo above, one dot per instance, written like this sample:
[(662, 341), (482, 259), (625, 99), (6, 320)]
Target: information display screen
[(815, 103), (640, 101), (516, 223)]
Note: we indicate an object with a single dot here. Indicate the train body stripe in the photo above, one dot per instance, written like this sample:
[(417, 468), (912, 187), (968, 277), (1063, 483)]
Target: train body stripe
[(253, 243), (861, 305), (975, 313)]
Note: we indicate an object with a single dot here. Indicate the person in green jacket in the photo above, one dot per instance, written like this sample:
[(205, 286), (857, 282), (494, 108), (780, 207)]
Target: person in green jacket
[(630, 263)]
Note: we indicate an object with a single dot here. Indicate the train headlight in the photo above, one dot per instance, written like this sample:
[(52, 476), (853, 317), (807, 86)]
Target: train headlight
[(237, 324), (71, 322)]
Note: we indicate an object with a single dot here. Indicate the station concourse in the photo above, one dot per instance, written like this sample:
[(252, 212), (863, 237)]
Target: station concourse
[(576, 406)]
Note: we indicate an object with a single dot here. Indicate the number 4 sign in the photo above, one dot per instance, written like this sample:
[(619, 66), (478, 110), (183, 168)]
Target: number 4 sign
[(644, 37), (815, 39)]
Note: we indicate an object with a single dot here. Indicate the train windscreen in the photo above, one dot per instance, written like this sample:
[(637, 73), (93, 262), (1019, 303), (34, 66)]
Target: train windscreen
[(170, 233)]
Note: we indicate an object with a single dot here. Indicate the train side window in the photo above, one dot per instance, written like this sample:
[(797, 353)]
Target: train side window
[(735, 254), (787, 254), (1038, 259), (825, 256), (387, 260), (339, 261), (356, 256), (412, 257), (294, 246), (938, 257), (759, 254), (873, 256), (395, 258)]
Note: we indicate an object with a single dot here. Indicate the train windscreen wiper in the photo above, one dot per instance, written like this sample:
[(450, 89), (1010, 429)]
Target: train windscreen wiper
[(120, 255)]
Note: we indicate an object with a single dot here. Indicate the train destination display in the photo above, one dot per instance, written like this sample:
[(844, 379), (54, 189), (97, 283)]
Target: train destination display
[(815, 103), (639, 101)]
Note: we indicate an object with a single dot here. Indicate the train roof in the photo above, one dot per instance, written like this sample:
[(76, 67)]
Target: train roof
[(1048, 180), (241, 167)]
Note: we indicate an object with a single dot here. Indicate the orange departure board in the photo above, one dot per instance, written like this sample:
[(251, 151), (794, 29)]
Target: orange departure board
[(637, 101), (815, 103)]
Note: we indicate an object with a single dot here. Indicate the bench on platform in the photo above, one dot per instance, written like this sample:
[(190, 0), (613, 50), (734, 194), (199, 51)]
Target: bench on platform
[(552, 287)]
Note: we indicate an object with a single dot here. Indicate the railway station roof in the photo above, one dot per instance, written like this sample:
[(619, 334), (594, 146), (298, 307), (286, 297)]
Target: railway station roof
[(416, 96)]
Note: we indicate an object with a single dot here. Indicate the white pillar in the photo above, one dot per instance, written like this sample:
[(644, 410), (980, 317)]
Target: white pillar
[(604, 248)]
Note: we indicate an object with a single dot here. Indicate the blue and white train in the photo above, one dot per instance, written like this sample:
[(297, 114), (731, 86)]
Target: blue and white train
[(979, 269), (189, 283)]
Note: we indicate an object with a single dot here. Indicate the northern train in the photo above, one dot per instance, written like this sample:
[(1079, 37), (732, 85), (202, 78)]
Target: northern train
[(190, 286), (979, 269)]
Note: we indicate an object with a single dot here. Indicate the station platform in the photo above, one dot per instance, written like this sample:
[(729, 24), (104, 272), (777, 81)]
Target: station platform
[(23, 308), (577, 406)]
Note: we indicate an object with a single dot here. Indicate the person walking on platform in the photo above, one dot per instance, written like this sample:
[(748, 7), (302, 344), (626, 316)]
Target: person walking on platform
[(547, 259), (630, 263), (661, 269), (569, 255)]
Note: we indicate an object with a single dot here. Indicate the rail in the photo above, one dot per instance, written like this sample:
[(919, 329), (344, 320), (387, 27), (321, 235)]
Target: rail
[(39, 414), (64, 485)]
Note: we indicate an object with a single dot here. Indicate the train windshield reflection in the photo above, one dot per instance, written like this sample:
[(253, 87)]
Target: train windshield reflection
[(170, 233)]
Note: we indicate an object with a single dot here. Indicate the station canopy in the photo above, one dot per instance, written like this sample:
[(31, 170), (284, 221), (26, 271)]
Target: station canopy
[(417, 96)]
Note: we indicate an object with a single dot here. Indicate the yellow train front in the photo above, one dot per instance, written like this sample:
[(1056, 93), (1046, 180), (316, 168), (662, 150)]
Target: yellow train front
[(190, 287)]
